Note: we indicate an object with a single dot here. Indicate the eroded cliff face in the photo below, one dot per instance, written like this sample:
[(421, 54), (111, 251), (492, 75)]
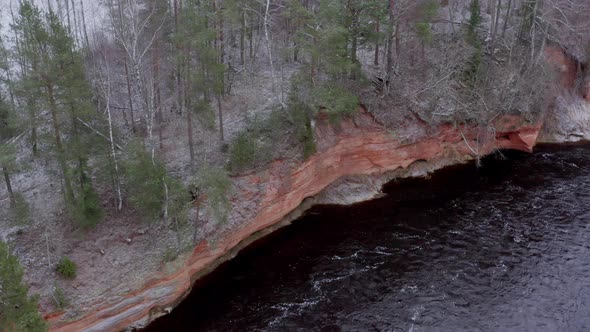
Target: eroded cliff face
[(358, 147), (568, 116)]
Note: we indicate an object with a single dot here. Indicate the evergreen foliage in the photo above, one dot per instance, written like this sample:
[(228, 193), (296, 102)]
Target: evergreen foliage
[(59, 298), (18, 311), (216, 185), (473, 65), (428, 10), (147, 183), (242, 152), (54, 71), (336, 101), (66, 268), (91, 112)]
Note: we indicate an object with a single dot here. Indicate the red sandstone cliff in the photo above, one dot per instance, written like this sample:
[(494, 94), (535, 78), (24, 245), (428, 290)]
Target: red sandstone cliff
[(359, 146), (568, 116)]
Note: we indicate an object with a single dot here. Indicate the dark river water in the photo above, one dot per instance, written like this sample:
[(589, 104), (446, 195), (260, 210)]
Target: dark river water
[(505, 247)]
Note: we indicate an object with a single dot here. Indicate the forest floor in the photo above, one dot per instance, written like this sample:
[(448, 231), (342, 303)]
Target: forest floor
[(123, 252)]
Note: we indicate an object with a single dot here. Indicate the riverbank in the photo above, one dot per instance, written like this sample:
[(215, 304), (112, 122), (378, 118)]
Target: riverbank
[(353, 161), (458, 250)]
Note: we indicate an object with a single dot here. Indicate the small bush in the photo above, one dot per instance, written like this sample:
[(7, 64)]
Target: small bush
[(242, 152), (87, 211), (59, 298), (301, 114), (66, 268), (337, 101), (170, 254), (151, 189), (216, 184), (144, 183)]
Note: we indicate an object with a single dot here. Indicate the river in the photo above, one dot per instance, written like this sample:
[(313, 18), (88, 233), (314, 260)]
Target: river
[(503, 247)]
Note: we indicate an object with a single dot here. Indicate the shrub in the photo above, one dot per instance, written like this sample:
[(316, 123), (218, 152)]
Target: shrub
[(337, 101), (151, 188), (301, 114), (242, 152), (87, 211), (144, 183), (59, 298), (216, 184), (66, 268), (170, 254)]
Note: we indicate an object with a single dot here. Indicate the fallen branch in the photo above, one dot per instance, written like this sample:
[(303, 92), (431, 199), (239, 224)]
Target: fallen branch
[(16, 138), (99, 133), (477, 155), (434, 85)]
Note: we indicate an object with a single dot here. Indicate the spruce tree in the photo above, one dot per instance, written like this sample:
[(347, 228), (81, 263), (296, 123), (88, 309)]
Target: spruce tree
[(18, 311), (473, 66), (54, 72), (7, 155), (203, 69)]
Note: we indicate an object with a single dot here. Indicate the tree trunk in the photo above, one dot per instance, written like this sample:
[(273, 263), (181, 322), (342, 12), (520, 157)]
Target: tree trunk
[(507, 18), (68, 17), (129, 96), (242, 39), (269, 43), (157, 95), (189, 127), (117, 179), (398, 47), (84, 23), (392, 37), (178, 61), (221, 34), (69, 192), (195, 227), (76, 26), (33, 123), (189, 112), (492, 11), (9, 186), (251, 41), (495, 26), (220, 114), (376, 59), (313, 64), (353, 49)]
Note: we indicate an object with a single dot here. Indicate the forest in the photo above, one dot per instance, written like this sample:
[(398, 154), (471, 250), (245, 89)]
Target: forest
[(147, 112)]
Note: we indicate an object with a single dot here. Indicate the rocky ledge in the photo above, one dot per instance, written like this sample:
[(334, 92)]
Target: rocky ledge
[(356, 157)]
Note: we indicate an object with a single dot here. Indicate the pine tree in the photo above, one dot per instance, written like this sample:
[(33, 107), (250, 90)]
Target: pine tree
[(10, 133), (7, 156), (146, 178), (18, 311), (427, 10), (473, 66), (474, 20), (327, 41), (198, 34), (55, 73), (28, 28)]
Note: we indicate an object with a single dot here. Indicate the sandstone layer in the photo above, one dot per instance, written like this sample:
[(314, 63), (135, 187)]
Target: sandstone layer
[(357, 147)]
